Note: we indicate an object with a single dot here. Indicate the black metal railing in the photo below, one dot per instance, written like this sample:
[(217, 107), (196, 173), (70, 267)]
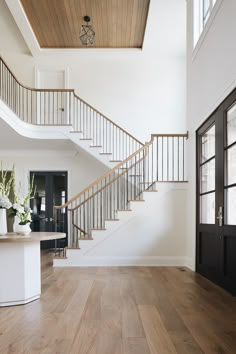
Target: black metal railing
[(64, 107), (160, 160)]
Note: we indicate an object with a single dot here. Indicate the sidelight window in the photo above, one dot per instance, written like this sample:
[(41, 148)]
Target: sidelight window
[(202, 12)]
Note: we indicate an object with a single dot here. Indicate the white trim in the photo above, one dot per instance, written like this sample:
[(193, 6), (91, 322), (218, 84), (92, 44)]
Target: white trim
[(198, 43), (27, 32), (22, 22), (19, 302), (76, 259), (51, 69), (190, 263), (213, 107)]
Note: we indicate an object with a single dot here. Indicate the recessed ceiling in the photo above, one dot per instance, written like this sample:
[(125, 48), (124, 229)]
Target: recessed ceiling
[(117, 23)]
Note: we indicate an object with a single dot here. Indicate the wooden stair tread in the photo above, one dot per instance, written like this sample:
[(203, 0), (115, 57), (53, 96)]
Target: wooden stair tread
[(115, 160), (137, 200), (96, 146), (112, 219), (76, 131), (172, 181), (150, 190), (85, 238), (98, 229), (86, 139), (124, 210), (147, 183), (105, 153)]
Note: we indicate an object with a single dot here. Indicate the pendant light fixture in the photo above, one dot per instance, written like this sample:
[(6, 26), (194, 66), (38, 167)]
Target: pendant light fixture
[(87, 34)]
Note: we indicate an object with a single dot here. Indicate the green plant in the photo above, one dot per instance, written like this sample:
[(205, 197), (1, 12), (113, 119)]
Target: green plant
[(5, 187)]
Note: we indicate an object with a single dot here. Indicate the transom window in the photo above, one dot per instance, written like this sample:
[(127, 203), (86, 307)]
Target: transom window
[(202, 11)]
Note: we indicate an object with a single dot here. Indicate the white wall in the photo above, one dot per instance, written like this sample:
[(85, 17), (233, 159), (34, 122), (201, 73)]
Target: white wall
[(82, 168), (154, 233), (143, 91), (211, 74)]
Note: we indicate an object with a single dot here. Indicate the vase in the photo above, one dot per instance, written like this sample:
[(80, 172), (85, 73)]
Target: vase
[(3, 222), (21, 229)]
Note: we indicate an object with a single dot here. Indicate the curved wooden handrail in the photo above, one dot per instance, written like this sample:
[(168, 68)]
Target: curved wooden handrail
[(75, 95), (104, 176)]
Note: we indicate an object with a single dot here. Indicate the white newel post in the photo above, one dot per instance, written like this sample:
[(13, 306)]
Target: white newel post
[(3, 222)]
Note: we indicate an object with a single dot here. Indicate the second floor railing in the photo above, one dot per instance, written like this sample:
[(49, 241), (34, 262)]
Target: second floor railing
[(64, 107)]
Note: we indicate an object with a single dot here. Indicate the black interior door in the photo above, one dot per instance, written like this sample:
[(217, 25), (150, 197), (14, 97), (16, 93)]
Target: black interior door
[(51, 190), (216, 196)]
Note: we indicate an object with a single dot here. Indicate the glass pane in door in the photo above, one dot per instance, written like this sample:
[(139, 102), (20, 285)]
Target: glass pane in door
[(230, 180), (231, 125), (207, 208), (207, 172), (207, 177), (59, 198), (208, 144), (39, 220), (231, 165)]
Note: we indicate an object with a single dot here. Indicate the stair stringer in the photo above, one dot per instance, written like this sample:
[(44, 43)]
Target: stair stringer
[(152, 233), (88, 146)]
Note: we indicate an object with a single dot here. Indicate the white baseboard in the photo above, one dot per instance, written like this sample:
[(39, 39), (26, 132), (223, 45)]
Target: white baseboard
[(86, 261), (190, 263)]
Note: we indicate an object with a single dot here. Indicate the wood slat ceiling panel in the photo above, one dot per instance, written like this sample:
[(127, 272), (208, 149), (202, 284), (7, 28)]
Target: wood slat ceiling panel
[(117, 23)]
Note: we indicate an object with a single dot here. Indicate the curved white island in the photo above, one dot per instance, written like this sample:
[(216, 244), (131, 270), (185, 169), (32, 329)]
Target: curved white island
[(20, 269)]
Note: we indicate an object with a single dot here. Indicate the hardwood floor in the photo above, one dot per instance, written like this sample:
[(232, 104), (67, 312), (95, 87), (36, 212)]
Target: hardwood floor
[(128, 310)]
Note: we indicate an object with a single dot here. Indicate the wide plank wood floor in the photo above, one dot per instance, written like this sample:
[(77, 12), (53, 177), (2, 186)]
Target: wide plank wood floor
[(121, 310)]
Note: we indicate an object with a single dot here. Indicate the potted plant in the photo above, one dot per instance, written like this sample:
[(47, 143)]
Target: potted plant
[(5, 203)]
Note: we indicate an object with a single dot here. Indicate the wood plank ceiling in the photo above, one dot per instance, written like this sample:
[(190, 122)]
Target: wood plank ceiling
[(117, 23)]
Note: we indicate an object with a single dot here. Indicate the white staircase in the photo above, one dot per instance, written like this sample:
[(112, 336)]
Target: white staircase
[(110, 209)]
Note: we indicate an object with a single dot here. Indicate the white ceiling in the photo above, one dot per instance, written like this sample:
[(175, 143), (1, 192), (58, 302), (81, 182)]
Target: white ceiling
[(10, 140)]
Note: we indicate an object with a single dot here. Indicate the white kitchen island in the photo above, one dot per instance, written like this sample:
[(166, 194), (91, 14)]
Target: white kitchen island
[(20, 268)]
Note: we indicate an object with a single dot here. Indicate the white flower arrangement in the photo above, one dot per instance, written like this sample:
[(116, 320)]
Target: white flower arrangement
[(5, 188), (20, 206)]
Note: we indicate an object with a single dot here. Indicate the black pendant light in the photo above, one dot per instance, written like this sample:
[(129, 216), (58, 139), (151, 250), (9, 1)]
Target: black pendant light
[(87, 34)]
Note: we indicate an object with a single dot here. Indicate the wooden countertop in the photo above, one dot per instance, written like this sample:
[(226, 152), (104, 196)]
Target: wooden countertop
[(32, 237)]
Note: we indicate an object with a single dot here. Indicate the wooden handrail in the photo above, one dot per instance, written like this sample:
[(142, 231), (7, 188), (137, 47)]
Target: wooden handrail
[(31, 88), (105, 186), (171, 135), (118, 166), (108, 119), (104, 176), (75, 95)]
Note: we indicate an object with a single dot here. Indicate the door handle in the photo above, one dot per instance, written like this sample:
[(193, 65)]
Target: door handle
[(220, 216), (51, 219)]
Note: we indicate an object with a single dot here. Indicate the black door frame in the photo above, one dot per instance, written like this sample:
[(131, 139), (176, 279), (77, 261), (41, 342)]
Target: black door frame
[(224, 232), (51, 244)]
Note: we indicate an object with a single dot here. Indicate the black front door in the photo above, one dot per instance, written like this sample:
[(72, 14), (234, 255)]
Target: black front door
[(216, 196), (51, 190)]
